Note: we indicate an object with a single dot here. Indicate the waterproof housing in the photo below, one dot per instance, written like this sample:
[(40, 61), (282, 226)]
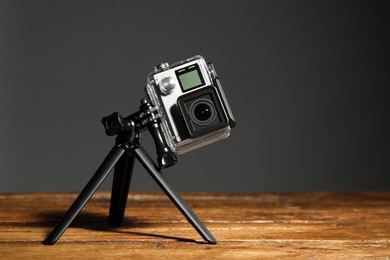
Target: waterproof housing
[(191, 104)]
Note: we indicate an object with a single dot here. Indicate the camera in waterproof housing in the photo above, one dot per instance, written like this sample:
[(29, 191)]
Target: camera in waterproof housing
[(191, 102)]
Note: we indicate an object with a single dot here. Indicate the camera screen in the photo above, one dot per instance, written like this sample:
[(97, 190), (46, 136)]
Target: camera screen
[(190, 77)]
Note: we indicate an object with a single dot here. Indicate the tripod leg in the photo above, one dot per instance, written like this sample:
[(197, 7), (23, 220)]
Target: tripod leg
[(173, 195), (120, 188), (85, 195)]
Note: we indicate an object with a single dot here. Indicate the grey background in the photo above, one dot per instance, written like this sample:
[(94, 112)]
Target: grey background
[(307, 81)]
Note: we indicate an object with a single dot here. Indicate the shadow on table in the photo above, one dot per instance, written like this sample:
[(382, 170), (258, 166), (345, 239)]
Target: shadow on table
[(99, 222)]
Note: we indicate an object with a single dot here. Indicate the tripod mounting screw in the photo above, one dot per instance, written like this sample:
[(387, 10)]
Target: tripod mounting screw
[(114, 124)]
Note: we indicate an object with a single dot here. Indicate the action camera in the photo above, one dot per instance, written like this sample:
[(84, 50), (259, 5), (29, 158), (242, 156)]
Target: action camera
[(191, 102)]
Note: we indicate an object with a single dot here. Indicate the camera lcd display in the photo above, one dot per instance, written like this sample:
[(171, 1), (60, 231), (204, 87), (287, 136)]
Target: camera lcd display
[(190, 77)]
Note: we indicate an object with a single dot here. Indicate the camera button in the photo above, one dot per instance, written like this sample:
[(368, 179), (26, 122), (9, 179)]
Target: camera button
[(167, 85), (161, 67)]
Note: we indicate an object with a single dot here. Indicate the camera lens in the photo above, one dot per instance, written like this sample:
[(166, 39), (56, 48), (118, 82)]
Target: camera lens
[(202, 112)]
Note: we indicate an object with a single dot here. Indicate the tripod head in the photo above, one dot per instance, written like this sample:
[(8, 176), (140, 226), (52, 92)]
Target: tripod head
[(128, 131)]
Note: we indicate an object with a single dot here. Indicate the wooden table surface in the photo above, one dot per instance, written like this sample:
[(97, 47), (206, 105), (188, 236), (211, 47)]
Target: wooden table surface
[(263, 225)]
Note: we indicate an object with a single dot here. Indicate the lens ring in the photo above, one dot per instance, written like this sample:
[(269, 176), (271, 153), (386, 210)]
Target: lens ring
[(202, 112)]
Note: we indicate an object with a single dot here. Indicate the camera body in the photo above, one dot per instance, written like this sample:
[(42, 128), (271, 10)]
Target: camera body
[(191, 103)]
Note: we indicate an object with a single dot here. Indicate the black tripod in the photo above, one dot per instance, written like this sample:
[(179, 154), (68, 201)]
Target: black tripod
[(122, 156)]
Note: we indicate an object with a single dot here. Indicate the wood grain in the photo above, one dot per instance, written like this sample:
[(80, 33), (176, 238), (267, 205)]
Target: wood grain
[(265, 225)]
